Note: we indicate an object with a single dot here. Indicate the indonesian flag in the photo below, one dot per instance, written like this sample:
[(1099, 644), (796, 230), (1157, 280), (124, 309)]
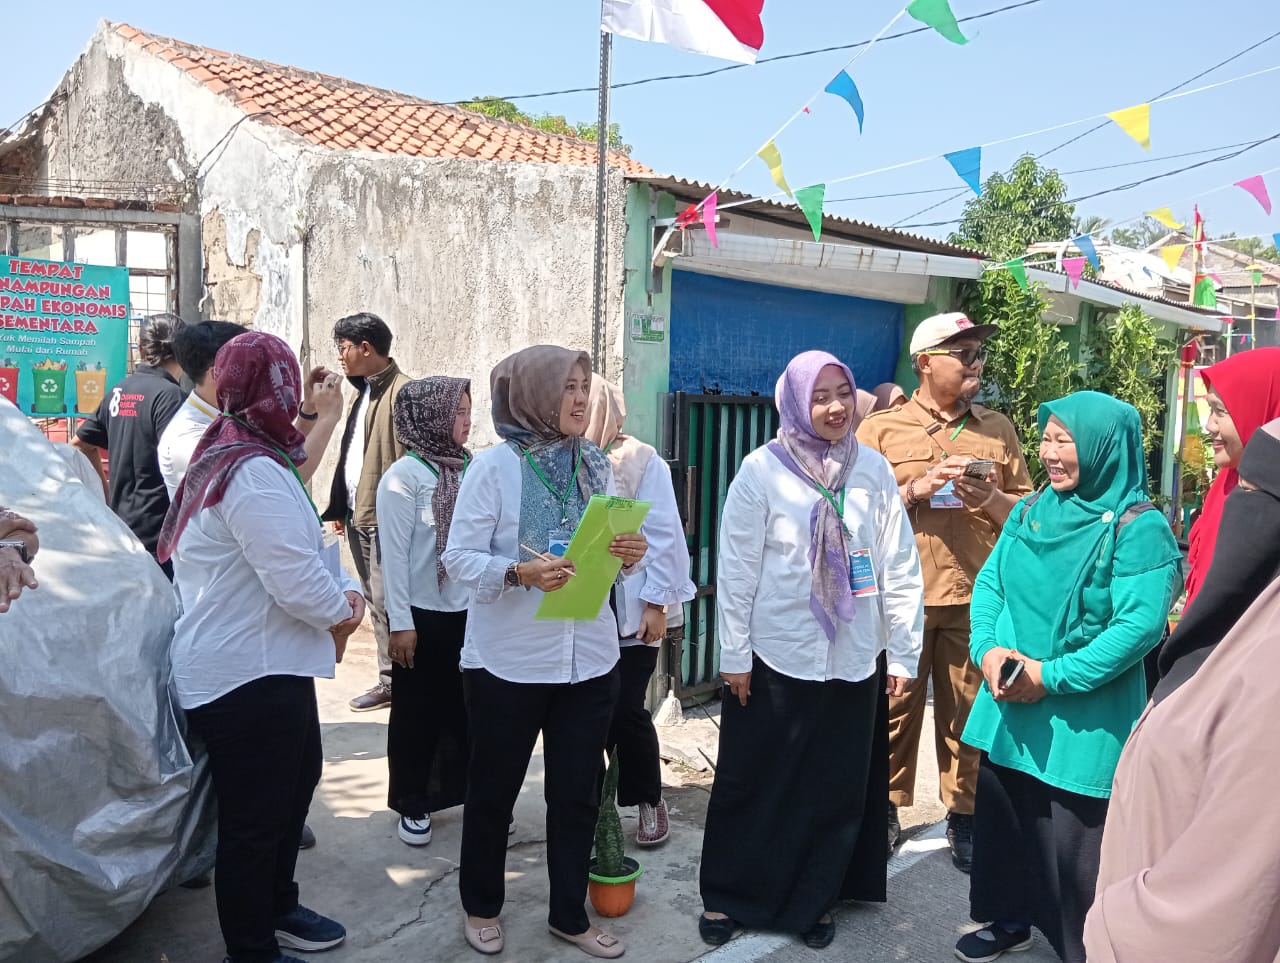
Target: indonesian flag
[(718, 28)]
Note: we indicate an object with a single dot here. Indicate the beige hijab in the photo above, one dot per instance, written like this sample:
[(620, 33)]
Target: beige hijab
[(606, 411)]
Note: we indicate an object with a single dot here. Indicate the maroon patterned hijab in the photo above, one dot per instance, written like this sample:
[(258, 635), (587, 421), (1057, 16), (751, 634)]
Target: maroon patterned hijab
[(259, 392)]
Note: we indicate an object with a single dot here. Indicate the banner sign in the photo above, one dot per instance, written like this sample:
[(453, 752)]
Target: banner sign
[(64, 334)]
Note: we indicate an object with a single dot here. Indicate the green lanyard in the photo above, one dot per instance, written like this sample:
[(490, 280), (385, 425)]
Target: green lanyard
[(292, 467), (960, 427), (466, 463), (563, 498)]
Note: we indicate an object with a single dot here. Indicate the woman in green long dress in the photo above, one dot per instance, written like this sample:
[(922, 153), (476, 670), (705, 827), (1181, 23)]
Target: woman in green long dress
[(1077, 591)]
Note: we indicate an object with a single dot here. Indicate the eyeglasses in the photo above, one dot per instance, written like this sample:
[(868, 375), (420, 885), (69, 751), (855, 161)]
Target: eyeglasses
[(966, 356), (343, 347)]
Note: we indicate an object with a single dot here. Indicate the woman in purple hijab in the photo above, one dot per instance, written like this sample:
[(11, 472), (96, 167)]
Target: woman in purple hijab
[(820, 604)]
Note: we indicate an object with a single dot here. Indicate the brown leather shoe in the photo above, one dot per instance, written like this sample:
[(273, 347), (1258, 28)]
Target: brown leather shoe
[(594, 942), (485, 936)]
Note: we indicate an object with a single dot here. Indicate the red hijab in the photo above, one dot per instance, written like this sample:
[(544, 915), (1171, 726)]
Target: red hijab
[(1249, 386), (259, 392)]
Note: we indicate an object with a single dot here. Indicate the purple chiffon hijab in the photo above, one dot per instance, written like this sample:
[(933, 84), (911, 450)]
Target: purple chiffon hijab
[(811, 457)]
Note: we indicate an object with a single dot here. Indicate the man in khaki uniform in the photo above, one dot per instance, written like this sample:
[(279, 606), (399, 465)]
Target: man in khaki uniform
[(930, 440)]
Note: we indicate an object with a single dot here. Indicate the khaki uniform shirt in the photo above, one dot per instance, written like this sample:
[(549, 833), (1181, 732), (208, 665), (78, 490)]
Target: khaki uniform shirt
[(953, 542)]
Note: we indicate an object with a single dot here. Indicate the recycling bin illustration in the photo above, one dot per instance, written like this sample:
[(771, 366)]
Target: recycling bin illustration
[(49, 388), (90, 387), (9, 381)]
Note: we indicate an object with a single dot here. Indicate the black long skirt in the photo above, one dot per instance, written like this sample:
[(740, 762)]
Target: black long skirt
[(428, 741), (1036, 850), (798, 815)]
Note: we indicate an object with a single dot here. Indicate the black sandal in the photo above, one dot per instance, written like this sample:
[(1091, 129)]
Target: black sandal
[(820, 934), (716, 932)]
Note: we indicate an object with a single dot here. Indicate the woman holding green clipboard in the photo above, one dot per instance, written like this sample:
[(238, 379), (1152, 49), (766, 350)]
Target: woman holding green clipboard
[(522, 676)]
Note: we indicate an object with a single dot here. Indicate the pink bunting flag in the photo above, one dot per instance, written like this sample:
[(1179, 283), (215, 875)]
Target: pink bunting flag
[(1074, 266), (709, 217), (1258, 188)]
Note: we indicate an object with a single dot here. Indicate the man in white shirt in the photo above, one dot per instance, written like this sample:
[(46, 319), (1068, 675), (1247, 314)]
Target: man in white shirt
[(195, 348)]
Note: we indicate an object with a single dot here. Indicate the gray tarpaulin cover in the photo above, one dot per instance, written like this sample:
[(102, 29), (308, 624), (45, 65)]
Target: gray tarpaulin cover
[(101, 807)]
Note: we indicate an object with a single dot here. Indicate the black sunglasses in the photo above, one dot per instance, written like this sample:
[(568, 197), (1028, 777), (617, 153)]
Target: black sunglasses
[(966, 356)]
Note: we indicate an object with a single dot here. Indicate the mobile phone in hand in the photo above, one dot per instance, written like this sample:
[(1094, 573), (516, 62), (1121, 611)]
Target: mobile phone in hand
[(979, 468), (1010, 670)]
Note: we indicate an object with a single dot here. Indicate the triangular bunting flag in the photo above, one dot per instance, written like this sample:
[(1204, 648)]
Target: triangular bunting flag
[(1258, 188), (1085, 244), (1165, 217), (1172, 254), (1136, 122), (937, 14), (709, 218), (1019, 272), (769, 154), (1275, 239), (1074, 266), (687, 216), (842, 86), (810, 201), (968, 164), (1256, 276), (1204, 295)]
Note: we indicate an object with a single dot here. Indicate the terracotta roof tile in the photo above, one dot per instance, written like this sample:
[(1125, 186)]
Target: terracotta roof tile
[(337, 113)]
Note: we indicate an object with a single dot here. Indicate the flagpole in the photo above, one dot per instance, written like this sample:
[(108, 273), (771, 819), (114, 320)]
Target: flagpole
[(602, 184)]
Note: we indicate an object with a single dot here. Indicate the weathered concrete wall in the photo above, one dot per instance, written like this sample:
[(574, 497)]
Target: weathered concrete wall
[(467, 261)]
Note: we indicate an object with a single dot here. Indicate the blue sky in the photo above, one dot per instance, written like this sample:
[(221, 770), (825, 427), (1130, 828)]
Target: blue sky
[(1045, 64)]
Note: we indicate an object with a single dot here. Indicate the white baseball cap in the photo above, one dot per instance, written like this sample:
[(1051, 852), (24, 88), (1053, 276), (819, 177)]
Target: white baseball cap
[(943, 327)]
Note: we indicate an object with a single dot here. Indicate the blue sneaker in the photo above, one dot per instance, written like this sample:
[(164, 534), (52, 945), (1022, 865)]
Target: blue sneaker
[(307, 930)]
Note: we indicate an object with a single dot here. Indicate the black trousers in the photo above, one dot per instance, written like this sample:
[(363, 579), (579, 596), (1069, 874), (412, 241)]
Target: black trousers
[(427, 739), (265, 756), (506, 718), (632, 731)]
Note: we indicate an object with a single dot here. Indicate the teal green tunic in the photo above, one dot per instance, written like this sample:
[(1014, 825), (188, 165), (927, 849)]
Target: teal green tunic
[(1062, 588)]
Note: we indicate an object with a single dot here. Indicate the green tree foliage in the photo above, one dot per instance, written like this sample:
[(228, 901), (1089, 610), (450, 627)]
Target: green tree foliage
[(501, 109), (1141, 235), (1028, 362), (1017, 209), (1127, 358)]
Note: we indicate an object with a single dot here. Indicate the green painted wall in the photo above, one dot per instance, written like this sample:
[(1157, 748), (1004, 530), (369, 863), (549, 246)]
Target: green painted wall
[(646, 365), (942, 293)]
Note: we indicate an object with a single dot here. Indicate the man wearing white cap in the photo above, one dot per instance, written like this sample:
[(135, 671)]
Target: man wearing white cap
[(960, 471)]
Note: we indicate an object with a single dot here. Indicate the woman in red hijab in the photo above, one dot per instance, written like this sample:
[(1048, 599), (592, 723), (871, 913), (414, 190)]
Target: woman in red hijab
[(1244, 394)]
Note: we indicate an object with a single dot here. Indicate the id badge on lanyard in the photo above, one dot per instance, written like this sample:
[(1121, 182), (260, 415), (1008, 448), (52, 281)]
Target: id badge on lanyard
[(862, 574), (558, 541), (945, 497)]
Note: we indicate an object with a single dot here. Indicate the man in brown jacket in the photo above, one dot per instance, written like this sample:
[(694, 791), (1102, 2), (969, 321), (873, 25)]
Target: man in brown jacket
[(931, 440), (369, 447)]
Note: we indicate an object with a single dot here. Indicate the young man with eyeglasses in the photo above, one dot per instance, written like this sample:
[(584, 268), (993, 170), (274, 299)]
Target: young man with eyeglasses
[(369, 448), (931, 440)]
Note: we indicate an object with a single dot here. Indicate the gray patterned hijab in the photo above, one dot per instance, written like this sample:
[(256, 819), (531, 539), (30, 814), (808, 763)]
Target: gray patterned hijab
[(527, 390), (423, 416)]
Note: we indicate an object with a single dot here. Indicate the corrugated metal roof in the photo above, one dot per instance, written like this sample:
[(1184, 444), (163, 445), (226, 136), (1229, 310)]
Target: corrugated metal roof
[(841, 227)]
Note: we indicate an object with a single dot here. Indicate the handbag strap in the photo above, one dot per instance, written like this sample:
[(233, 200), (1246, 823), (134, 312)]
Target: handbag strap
[(932, 427)]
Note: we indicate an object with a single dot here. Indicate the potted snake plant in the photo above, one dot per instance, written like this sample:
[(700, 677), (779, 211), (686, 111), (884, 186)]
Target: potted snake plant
[(613, 874)]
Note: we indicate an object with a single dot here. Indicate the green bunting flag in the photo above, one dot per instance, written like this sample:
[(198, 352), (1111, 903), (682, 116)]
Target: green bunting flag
[(937, 14), (1205, 296), (810, 201), (1019, 272)]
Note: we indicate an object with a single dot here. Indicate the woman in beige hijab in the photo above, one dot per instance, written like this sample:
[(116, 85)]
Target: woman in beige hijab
[(646, 603), (1190, 854)]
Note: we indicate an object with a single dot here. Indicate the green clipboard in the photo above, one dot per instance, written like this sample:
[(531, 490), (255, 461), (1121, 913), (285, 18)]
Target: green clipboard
[(596, 570)]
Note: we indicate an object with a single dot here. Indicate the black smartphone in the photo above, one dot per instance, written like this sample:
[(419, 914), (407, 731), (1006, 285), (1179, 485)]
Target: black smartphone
[(1010, 670), (979, 468)]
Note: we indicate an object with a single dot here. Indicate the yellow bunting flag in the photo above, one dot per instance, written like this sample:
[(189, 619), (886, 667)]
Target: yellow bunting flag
[(1172, 254), (1136, 122), (1165, 217), (769, 154)]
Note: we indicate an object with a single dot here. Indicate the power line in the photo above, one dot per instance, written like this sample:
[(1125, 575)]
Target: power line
[(763, 60), (1091, 130)]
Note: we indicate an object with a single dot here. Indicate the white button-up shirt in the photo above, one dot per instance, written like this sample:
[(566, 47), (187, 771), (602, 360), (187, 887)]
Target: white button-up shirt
[(179, 439), (407, 542), (664, 579), (260, 589), (503, 635), (764, 579)]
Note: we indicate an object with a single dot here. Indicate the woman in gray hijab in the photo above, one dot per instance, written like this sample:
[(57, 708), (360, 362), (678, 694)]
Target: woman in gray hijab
[(516, 511)]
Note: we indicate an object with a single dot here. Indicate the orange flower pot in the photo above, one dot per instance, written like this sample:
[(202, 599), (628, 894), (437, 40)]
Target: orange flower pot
[(612, 896)]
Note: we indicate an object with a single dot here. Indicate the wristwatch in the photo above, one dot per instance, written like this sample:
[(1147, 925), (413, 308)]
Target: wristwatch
[(512, 577), (19, 546)]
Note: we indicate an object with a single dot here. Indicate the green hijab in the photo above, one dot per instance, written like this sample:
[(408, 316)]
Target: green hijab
[(1065, 536)]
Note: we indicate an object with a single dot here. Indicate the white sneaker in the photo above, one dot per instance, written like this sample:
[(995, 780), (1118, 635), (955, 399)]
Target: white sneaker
[(416, 832)]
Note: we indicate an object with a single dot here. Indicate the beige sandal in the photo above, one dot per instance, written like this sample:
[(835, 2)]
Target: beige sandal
[(594, 942), (485, 938)]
